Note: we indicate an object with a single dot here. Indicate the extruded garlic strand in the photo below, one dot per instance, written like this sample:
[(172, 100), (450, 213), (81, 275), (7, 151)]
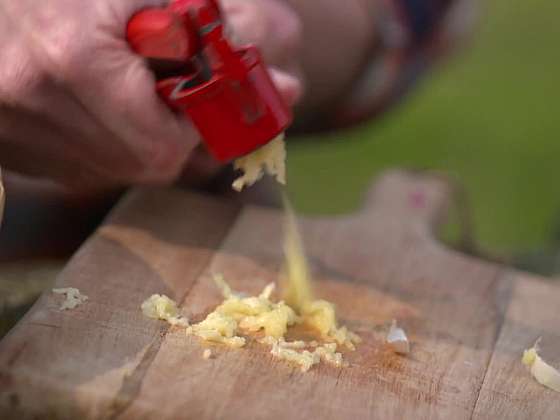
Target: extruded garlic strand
[(270, 158)]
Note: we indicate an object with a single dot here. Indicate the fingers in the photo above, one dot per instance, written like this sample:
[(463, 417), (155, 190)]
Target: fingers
[(269, 24), (119, 91), (34, 148), (276, 29), (290, 87), (103, 98), (85, 104), (45, 117), (42, 130)]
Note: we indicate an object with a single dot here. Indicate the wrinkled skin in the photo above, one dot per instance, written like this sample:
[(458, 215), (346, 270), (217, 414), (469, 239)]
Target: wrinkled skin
[(79, 107)]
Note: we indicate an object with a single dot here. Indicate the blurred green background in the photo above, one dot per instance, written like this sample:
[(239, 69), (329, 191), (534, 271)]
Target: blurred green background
[(488, 117)]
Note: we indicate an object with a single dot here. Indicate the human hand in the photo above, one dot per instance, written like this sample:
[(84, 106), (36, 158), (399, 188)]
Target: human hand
[(274, 27), (77, 106)]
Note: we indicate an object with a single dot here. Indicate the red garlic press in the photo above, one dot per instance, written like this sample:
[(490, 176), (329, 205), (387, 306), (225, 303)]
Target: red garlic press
[(226, 92)]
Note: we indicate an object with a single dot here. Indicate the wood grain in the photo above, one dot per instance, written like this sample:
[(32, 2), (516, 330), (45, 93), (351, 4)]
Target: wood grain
[(507, 392), (466, 318)]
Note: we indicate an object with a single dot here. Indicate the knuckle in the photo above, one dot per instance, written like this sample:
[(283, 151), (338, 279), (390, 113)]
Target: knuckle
[(68, 54)]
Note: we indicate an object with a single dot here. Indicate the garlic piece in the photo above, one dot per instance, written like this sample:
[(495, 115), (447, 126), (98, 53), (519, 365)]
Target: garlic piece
[(397, 340), (164, 308), (285, 350), (543, 373), (73, 297)]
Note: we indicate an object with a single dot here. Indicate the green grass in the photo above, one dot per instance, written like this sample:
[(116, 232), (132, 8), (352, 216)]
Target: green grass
[(489, 117)]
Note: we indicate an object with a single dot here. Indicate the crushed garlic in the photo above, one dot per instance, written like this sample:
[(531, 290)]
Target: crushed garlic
[(164, 308), (270, 158), (244, 314), (258, 314), (73, 297), (240, 315), (287, 350), (318, 314)]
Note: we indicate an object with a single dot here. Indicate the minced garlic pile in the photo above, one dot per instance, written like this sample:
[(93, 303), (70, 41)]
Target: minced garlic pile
[(240, 317), (270, 158), (239, 314)]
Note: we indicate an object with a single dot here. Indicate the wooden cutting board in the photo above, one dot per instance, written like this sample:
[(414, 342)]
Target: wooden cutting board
[(468, 320)]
